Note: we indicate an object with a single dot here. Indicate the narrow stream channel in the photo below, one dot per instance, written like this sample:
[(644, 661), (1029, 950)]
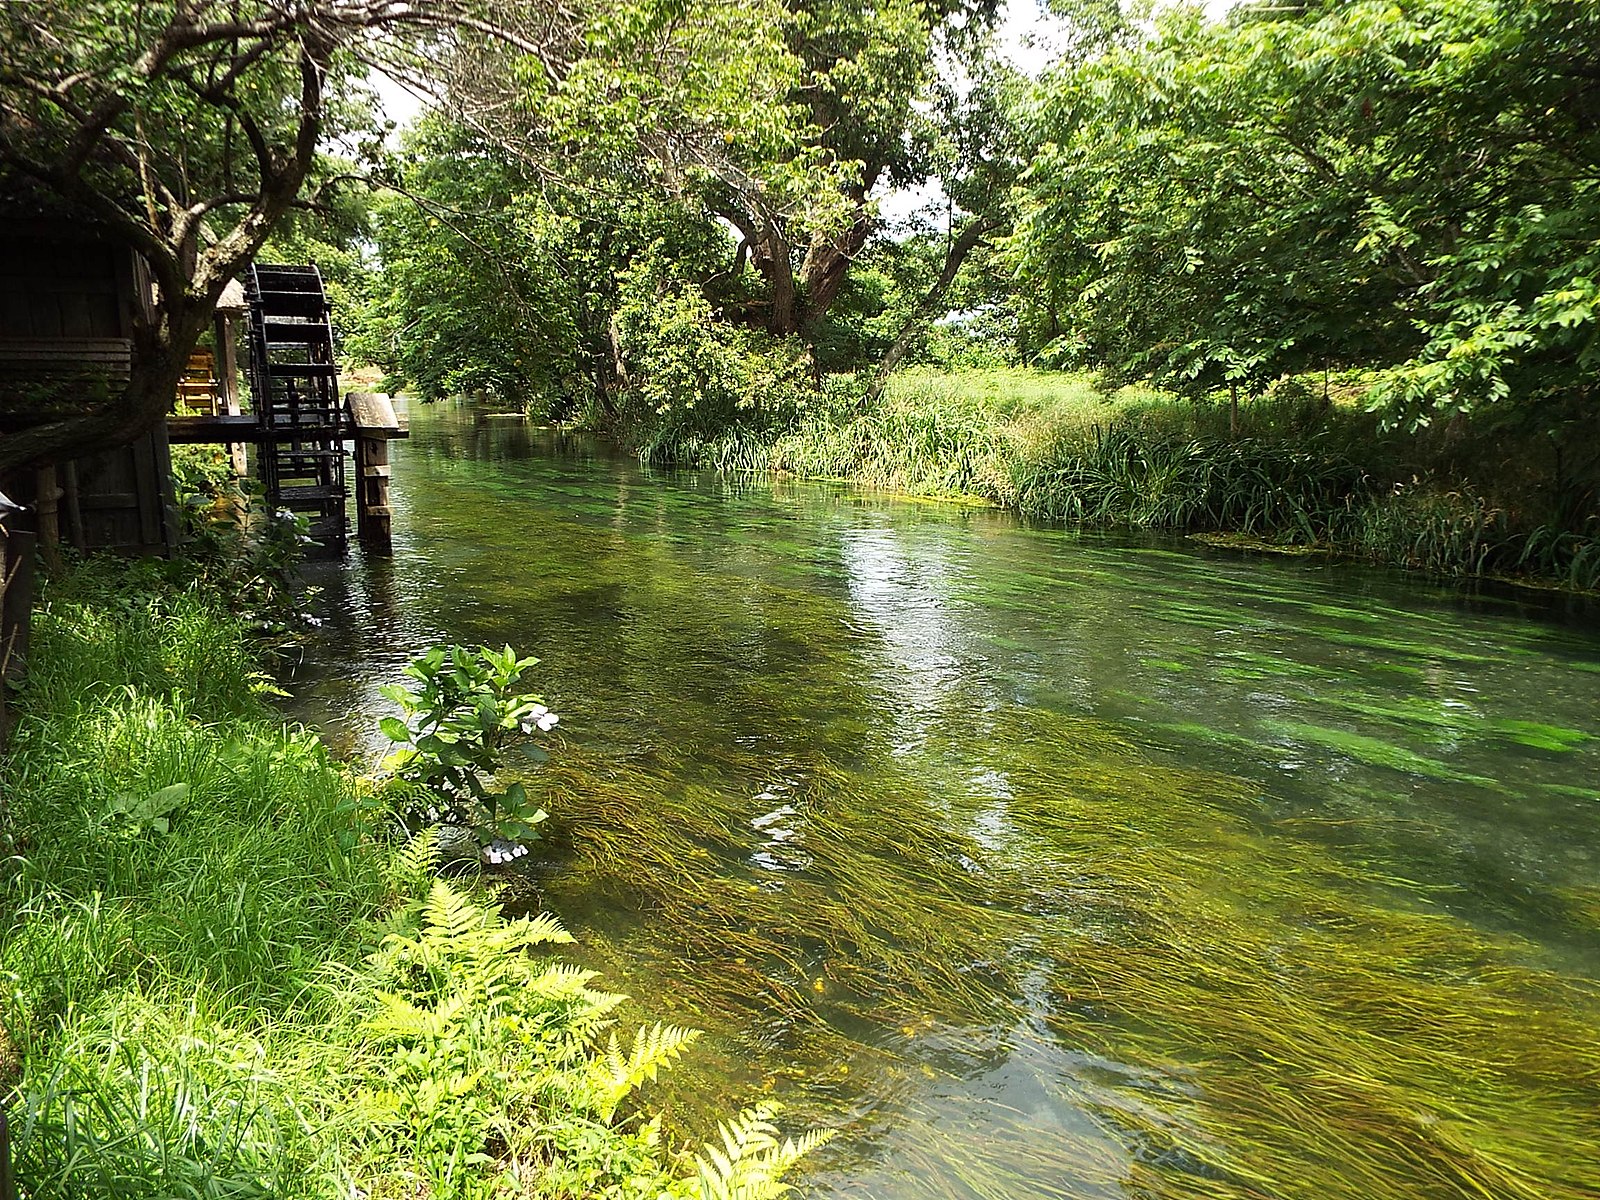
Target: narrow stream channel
[(1041, 864)]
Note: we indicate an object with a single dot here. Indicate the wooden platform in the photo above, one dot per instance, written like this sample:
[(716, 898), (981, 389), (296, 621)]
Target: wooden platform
[(190, 431)]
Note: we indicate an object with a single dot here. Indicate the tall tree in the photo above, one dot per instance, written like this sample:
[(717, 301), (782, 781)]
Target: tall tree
[(492, 282), (786, 121), (185, 129), (1410, 185)]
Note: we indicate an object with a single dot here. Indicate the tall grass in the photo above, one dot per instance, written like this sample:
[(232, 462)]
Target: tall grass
[(153, 958), (195, 915), (1294, 469)]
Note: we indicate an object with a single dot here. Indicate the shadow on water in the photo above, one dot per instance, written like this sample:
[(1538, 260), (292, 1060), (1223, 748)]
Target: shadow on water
[(1043, 863)]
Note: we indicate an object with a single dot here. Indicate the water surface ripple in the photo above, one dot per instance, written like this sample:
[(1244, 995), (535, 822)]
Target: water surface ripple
[(1043, 864)]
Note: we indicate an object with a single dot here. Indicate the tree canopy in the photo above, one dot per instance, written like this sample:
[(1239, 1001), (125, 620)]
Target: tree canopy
[(1411, 186)]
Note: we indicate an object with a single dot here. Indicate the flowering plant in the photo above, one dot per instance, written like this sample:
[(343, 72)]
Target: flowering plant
[(458, 716)]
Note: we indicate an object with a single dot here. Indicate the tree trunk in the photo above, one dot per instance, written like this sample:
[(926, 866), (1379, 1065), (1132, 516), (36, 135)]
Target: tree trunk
[(773, 259), (614, 340), (974, 232)]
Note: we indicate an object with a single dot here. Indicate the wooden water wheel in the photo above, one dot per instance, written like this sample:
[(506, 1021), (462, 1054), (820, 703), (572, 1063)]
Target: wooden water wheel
[(294, 385)]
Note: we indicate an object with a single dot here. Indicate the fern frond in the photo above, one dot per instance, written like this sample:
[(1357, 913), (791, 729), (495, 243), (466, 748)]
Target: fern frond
[(750, 1162), (451, 917), (416, 860), (560, 981), (653, 1048), (398, 1018), (616, 1074), (541, 930)]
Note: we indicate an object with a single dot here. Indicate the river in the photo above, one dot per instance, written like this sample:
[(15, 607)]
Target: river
[(1039, 863)]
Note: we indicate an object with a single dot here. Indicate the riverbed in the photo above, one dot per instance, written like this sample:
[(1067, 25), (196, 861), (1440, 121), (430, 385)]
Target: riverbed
[(1037, 862)]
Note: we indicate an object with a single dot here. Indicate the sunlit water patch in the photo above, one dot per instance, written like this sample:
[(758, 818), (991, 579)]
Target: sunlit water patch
[(1041, 864)]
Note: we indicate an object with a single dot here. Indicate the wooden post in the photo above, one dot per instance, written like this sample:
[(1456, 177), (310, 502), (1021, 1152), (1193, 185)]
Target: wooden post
[(16, 607), (373, 517), (5, 655), (228, 384), (46, 505), (373, 416)]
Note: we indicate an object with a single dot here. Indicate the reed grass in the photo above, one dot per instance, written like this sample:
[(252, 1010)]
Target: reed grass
[(1296, 470)]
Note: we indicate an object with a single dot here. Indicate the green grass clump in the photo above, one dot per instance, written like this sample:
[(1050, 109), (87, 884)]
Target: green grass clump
[(219, 983), (1294, 469)]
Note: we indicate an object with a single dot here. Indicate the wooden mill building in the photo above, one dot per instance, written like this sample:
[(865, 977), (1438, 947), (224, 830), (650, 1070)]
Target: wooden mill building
[(69, 307)]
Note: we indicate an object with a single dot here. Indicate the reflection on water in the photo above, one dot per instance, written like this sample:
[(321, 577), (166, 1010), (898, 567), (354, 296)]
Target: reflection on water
[(1042, 863)]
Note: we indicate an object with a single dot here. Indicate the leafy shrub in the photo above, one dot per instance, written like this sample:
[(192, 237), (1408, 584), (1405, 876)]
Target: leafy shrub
[(694, 380), (465, 707), (247, 553)]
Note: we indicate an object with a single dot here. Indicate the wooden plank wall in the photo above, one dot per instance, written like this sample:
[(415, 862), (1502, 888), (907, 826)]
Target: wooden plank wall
[(125, 497), (60, 291), (64, 289)]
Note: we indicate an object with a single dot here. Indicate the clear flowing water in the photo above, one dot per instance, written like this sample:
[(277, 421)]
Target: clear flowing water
[(1040, 864)]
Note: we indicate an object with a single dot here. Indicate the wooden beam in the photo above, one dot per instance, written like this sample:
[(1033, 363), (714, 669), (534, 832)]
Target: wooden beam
[(373, 415)]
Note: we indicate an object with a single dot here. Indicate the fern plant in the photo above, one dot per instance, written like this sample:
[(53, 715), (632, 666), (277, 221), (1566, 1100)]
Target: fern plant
[(478, 1048), (748, 1162)]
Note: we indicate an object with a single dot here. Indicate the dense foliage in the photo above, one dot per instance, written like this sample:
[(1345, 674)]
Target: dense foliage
[(1407, 186), (1400, 196), (719, 165)]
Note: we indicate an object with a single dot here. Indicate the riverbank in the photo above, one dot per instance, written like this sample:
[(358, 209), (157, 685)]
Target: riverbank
[(1303, 468), (222, 979)]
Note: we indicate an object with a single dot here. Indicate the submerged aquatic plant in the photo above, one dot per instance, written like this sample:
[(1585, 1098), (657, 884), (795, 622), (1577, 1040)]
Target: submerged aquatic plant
[(1244, 1012)]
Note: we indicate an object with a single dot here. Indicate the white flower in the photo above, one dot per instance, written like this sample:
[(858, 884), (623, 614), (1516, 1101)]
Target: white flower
[(547, 722)]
